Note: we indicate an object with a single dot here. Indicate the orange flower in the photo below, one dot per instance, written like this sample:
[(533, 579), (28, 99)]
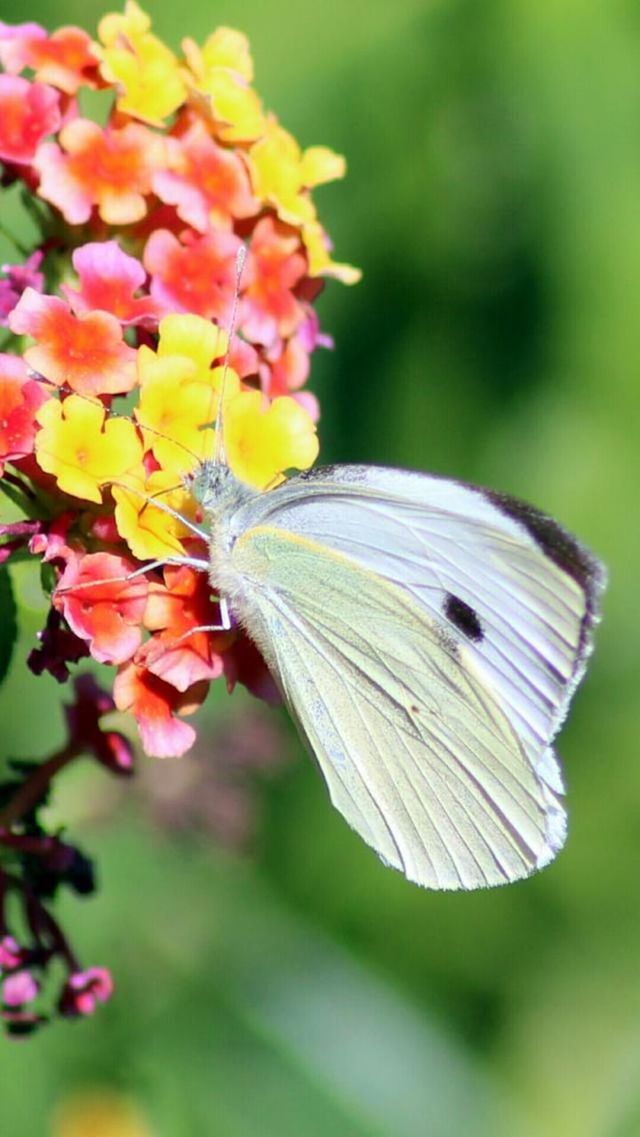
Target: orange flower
[(108, 168), (178, 652), (101, 606), (86, 353), (155, 706)]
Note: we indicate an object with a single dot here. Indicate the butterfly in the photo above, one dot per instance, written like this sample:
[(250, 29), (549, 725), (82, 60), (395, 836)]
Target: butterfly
[(427, 637)]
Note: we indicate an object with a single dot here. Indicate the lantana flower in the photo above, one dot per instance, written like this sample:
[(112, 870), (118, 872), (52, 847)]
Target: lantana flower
[(169, 297)]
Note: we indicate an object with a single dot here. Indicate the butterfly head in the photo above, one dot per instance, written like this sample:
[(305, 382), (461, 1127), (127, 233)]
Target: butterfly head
[(216, 488)]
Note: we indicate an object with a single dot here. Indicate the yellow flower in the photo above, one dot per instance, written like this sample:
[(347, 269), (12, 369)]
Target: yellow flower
[(222, 71), (262, 440), (282, 173), (101, 1113), (116, 27), (179, 391), (144, 69), (82, 450), (194, 337), (150, 532), (317, 244), (226, 48)]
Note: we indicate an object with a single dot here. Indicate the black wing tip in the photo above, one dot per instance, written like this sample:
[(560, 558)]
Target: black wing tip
[(558, 544)]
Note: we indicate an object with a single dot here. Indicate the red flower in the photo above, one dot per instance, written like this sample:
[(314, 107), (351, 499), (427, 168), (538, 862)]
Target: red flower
[(244, 664)]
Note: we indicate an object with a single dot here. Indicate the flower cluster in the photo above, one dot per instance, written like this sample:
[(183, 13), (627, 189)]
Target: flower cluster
[(131, 294), (178, 257)]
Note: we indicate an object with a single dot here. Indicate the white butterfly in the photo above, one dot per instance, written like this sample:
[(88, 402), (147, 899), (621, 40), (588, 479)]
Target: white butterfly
[(427, 637)]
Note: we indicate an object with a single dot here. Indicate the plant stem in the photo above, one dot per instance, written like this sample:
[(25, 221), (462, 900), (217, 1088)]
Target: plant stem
[(31, 790)]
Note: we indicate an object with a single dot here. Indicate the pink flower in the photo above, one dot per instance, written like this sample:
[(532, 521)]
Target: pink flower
[(275, 266), (109, 281), (208, 184), (194, 274), (84, 990), (18, 989), (28, 113), (11, 954), (65, 59)]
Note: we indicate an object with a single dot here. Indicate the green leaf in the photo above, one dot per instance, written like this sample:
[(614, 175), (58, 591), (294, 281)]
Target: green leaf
[(8, 621)]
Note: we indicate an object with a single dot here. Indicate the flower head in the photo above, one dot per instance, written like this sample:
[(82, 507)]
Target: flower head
[(164, 318)]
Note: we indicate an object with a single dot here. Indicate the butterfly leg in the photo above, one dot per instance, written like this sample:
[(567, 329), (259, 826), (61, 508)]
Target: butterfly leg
[(190, 562), (224, 626)]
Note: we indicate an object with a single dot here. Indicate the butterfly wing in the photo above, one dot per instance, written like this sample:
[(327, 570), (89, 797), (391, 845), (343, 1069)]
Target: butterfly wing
[(417, 753), (506, 582)]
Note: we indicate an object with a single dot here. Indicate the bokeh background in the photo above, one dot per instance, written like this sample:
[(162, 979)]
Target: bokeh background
[(273, 979)]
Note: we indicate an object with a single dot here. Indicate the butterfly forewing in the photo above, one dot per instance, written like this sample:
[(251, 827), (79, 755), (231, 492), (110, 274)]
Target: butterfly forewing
[(416, 752)]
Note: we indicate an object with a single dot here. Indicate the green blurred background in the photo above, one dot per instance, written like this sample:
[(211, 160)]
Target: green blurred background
[(297, 988)]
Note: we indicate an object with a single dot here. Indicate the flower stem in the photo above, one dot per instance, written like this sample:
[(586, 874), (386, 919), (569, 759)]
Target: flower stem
[(32, 789)]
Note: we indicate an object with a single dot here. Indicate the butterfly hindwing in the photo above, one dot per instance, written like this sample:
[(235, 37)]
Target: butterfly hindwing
[(417, 753)]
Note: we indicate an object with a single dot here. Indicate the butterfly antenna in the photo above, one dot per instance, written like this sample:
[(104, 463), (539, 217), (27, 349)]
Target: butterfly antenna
[(59, 388), (220, 457)]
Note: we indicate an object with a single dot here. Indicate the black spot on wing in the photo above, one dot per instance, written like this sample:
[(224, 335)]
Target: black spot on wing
[(463, 617)]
